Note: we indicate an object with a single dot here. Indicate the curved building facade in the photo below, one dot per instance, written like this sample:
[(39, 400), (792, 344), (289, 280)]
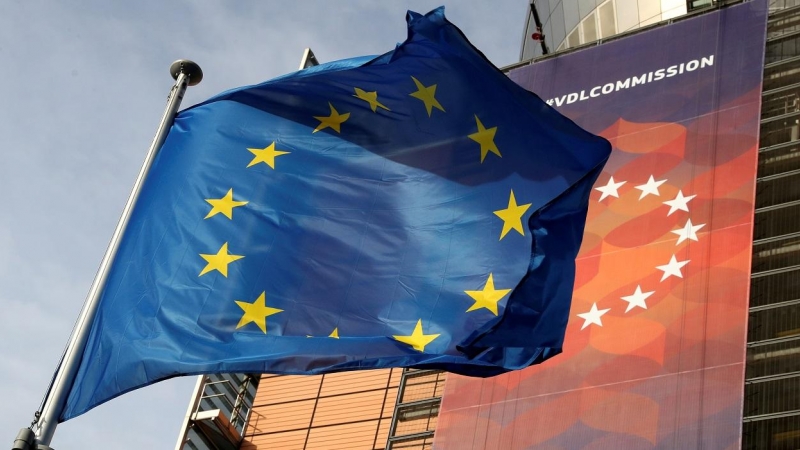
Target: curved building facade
[(570, 23)]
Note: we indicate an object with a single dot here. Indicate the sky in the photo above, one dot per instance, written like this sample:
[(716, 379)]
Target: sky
[(83, 85)]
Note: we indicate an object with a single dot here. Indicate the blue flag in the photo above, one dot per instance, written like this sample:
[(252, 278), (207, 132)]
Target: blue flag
[(417, 209)]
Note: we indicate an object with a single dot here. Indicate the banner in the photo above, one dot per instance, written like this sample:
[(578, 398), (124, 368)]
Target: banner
[(654, 355)]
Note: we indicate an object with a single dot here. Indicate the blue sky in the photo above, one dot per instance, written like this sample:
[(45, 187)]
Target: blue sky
[(82, 87)]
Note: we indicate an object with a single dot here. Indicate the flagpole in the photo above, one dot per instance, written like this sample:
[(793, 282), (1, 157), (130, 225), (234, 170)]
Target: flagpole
[(186, 73)]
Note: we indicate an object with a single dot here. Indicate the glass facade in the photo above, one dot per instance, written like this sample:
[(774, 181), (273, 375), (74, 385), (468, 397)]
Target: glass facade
[(349, 410), (570, 23), (368, 410), (417, 410), (772, 380)]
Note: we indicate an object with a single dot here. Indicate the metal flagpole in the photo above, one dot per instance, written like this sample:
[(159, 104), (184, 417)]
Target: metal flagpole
[(186, 73)]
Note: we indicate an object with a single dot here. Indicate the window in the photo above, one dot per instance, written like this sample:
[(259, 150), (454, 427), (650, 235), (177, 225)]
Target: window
[(600, 23), (605, 15), (574, 38), (589, 28)]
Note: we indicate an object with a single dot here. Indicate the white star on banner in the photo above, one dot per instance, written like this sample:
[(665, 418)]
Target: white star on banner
[(637, 299), (688, 231), (651, 187), (672, 268), (679, 203), (593, 316), (610, 189)]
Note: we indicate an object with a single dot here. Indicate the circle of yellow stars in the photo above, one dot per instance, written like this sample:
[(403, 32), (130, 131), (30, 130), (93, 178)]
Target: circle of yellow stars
[(487, 298)]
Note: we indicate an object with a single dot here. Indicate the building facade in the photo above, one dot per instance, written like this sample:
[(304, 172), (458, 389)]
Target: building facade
[(334, 411), (370, 410), (743, 334), (772, 385), (565, 24)]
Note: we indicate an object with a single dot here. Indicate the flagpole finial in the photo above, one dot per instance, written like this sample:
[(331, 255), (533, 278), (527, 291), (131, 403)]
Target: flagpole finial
[(188, 67), (25, 440)]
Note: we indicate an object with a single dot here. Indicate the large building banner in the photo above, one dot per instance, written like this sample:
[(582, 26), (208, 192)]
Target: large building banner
[(654, 355)]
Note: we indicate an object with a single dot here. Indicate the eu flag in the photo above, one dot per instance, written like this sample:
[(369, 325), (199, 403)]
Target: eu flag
[(417, 209)]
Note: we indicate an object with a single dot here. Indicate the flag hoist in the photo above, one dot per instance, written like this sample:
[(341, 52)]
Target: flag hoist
[(39, 435)]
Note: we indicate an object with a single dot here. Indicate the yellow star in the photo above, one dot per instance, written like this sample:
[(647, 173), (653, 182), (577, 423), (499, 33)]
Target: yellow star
[(223, 205), (256, 312), (371, 98), (512, 216), (417, 339), (334, 120), (486, 139), (428, 96), (220, 261), (266, 155), (488, 297)]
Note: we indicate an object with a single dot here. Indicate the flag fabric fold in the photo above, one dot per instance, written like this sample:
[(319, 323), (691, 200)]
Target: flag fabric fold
[(417, 209)]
